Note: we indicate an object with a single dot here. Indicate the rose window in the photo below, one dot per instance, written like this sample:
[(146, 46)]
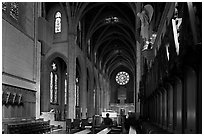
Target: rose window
[(122, 78)]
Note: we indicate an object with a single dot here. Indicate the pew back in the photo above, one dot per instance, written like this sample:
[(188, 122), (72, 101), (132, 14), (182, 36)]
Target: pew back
[(31, 127)]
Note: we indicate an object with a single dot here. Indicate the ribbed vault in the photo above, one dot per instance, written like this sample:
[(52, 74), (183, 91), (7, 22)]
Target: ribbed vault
[(111, 29)]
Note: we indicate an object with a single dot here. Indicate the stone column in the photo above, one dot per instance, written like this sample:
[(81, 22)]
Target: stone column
[(38, 57), (44, 82), (83, 91), (96, 93), (109, 93), (98, 96), (90, 96), (138, 60), (105, 93), (106, 96), (71, 70), (101, 92)]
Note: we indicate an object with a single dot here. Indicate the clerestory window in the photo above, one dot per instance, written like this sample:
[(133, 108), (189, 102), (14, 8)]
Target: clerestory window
[(65, 89), (4, 6), (58, 23), (111, 19)]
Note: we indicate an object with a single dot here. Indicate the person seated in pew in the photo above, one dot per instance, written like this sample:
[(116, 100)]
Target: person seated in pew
[(107, 122)]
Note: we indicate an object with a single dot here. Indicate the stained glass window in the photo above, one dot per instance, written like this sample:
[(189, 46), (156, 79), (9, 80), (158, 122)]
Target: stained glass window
[(122, 78), (58, 22), (14, 10), (94, 97), (53, 84), (111, 19), (4, 6), (55, 91), (77, 91), (65, 90), (51, 87)]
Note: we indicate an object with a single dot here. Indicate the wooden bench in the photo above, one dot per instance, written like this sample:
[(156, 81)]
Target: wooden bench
[(115, 130), (85, 131), (77, 125), (32, 127), (104, 131)]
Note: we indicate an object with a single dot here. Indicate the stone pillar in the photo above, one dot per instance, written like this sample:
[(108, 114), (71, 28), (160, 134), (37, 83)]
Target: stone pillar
[(138, 60), (106, 98), (97, 94), (44, 93), (98, 100), (104, 93), (38, 58), (83, 91), (101, 93), (90, 96), (108, 94), (138, 76), (71, 70)]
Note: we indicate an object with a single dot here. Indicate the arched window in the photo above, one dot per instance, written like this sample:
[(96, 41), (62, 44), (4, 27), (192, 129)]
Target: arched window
[(77, 97), (53, 84), (58, 24), (77, 91), (65, 90)]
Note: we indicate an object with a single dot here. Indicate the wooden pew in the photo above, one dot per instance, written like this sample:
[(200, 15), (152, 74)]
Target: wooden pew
[(104, 131), (85, 131), (33, 127)]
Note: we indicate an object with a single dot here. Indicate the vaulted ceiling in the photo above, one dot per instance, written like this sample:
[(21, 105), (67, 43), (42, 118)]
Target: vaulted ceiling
[(111, 28)]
